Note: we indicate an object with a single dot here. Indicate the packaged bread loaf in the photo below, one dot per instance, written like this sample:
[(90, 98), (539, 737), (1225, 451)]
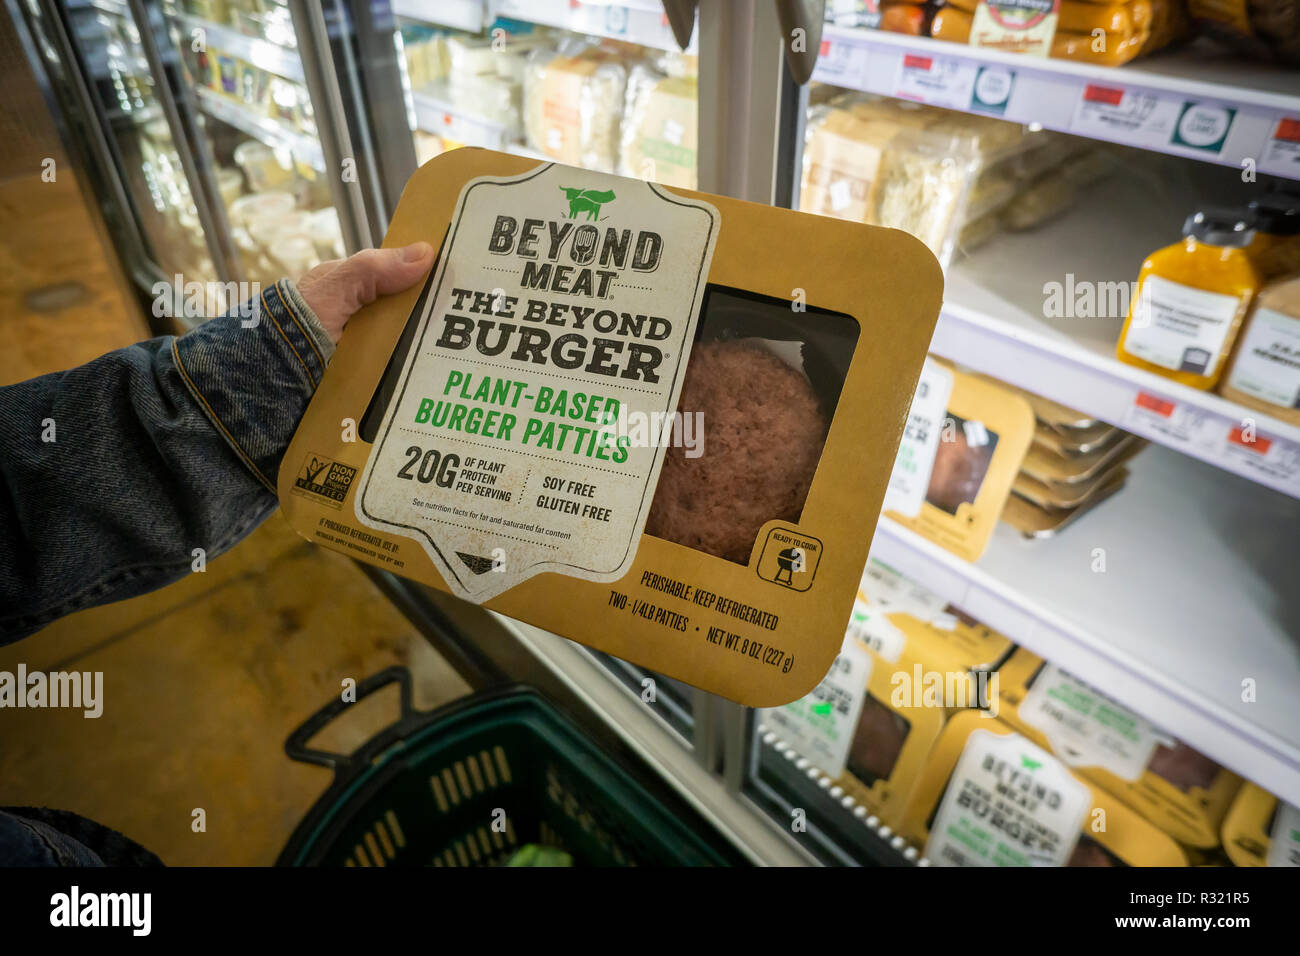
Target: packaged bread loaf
[(906, 166), (659, 131), (573, 103)]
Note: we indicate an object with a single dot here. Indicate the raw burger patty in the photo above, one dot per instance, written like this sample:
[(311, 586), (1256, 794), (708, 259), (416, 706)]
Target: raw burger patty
[(763, 432)]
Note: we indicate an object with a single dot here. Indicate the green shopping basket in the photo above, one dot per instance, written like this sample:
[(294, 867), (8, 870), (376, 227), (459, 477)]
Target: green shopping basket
[(471, 783)]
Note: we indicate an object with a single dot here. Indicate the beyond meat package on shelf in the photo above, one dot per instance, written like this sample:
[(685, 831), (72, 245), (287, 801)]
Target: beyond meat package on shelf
[(653, 421)]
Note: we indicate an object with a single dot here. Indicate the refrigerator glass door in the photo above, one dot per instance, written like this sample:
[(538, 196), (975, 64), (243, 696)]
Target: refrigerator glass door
[(598, 85)]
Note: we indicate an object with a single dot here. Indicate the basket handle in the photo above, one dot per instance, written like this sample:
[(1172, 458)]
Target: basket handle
[(296, 746)]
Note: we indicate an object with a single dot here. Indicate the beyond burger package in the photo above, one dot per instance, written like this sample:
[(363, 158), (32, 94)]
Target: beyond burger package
[(965, 441), (856, 727), (652, 421), (1178, 789), (1261, 830), (990, 797)]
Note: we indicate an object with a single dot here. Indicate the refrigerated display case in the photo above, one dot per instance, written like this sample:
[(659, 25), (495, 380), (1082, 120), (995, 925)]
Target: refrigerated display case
[(1135, 598), (222, 131)]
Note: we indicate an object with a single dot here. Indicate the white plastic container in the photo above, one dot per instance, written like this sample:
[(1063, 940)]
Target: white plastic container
[(269, 205)]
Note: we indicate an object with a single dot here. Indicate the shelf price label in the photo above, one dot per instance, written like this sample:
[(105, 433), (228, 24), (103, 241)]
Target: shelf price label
[(1232, 444), (841, 64), (936, 80), (1281, 154), (1151, 121), (1271, 460), (1168, 422)]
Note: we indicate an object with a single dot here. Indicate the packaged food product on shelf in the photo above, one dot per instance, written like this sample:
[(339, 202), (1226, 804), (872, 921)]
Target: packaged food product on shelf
[(660, 128), (940, 175), (573, 102), (1261, 830), (1178, 789), (1106, 34), (1264, 372), (1268, 29), (988, 796), (424, 54), (262, 167), (894, 16), (1275, 250), (1045, 464), (907, 624), (525, 484), (857, 730), (1191, 298), (982, 441)]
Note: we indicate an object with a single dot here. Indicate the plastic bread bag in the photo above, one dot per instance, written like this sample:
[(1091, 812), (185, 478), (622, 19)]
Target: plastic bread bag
[(573, 102), (660, 127), (907, 166)]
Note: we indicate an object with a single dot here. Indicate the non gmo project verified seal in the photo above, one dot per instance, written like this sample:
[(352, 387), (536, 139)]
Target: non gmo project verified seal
[(324, 478)]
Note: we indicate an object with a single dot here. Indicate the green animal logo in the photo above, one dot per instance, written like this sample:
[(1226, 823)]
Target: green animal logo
[(1029, 763), (587, 200)]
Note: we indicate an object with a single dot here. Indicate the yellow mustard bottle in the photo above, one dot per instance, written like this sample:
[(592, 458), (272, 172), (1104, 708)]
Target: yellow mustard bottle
[(1275, 249), (1190, 300)]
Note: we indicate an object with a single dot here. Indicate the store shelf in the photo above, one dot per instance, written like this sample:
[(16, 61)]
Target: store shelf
[(436, 112), (1197, 595), (1196, 102), (994, 321), (638, 21), (304, 148), (280, 60), (458, 14), (117, 8)]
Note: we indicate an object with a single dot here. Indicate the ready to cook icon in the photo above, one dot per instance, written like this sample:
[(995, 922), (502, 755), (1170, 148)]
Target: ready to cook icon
[(587, 200), (790, 560)]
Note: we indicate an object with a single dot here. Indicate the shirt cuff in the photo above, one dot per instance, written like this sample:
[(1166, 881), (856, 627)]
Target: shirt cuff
[(299, 306)]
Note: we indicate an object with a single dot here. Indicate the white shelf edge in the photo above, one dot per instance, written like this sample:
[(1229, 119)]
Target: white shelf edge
[(1046, 91), (431, 112), (636, 21), (262, 53), (1222, 735), (263, 128), (469, 15)]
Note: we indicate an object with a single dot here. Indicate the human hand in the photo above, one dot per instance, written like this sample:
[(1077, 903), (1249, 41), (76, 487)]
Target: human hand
[(338, 289)]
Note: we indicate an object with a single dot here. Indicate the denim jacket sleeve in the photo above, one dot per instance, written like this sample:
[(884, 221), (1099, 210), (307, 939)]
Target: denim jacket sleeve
[(114, 473)]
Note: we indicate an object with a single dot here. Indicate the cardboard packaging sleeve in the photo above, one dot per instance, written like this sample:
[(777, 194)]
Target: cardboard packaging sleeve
[(432, 453), (1182, 792), (1099, 831)]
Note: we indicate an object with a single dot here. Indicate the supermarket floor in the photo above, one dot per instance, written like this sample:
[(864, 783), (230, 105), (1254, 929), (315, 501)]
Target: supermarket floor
[(202, 683), (203, 680)]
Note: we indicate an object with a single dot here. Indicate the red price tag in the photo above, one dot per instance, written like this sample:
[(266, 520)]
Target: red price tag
[(1102, 94), (1160, 406), (1259, 444)]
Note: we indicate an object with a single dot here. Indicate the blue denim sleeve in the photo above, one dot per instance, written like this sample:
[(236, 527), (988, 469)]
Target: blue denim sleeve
[(115, 472)]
